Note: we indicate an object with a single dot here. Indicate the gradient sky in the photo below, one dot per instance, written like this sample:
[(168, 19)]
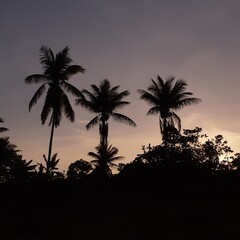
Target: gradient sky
[(129, 42)]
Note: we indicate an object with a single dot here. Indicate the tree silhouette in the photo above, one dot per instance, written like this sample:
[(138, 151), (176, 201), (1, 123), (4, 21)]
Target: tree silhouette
[(79, 169), (105, 101), (165, 97), (3, 129), (50, 168), (57, 71), (7, 153), (21, 169), (12, 165), (103, 159)]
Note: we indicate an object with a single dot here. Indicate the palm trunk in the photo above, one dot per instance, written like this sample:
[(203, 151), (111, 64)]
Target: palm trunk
[(103, 129), (50, 145), (164, 132)]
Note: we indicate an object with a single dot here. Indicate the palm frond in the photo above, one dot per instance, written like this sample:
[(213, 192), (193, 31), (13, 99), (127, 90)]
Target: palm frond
[(36, 78), (123, 119), (118, 158), (92, 97), (160, 82), (48, 105), (90, 106), (72, 70), (179, 87), (36, 96), (105, 85), (156, 87), (148, 97), (3, 129), (176, 121), (70, 88), (167, 87), (92, 123), (119, 96), (68, 111), (186, 102), (95, 88), (182, 95), (114, 89), (119, 105), (46, 56), (93, 155), (154, 111), (62, 59)]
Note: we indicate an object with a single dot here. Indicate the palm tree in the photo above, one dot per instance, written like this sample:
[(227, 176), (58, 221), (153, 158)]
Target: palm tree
[(3, 129), (51, 167), (55, 77), (165, 97), (104, 158), (105, 101)]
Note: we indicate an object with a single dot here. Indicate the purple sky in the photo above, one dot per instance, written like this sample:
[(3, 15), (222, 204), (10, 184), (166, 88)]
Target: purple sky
[(129, 42)]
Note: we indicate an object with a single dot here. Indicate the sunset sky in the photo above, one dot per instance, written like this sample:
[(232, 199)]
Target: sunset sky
[(129, 42)]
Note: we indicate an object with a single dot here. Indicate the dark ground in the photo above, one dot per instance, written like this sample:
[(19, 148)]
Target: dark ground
[(120, 211)]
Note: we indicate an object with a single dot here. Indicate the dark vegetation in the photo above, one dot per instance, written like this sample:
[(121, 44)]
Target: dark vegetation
[(187, 187)]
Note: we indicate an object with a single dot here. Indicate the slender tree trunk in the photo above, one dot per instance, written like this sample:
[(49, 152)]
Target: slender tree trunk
[(161, 128), (165, 132), (101, 132), (103, 129), (105, 133), (50, 145)]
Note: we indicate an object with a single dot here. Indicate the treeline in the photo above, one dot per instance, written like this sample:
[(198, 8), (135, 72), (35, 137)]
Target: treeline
[(189, 157), (186, 155)]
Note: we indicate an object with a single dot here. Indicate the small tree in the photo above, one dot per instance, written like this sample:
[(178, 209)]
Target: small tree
[(12, 165), (79, 169), (49, 171), (103, 159)]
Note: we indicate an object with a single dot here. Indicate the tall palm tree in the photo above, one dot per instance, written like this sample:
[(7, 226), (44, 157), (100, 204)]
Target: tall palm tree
[(3, 129), (56, 73), (165, 97), (104, 158), (105, 101)]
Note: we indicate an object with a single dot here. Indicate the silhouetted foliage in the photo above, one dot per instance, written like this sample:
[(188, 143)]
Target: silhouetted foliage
[(12, 165), (79, 169), (57, 72), (105, 101), (3, 129), (22, 170), (236, 161), (50, 170), (7, 153), (165, 98), (103, 160), (187, 155)]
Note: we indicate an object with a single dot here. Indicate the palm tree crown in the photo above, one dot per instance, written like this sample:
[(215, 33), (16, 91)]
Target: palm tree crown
[(165, 97), (105, 101), (104, 158), (57, 71)]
